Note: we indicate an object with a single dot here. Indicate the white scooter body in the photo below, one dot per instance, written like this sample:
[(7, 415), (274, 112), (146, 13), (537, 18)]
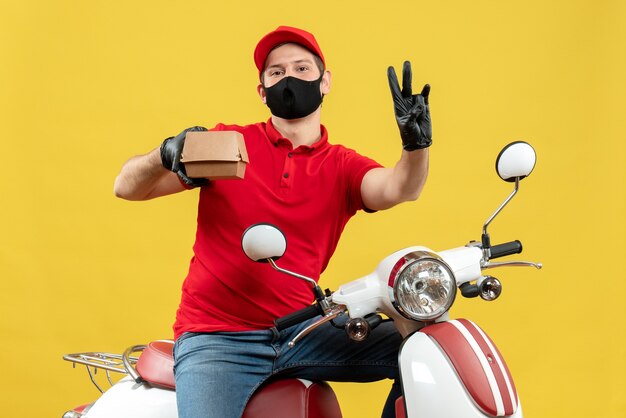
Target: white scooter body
[(127, 399), (448, 369), (444, 371)]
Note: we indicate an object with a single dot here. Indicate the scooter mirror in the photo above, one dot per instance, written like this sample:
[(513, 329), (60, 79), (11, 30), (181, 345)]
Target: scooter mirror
[(516, 160), (263, 241)]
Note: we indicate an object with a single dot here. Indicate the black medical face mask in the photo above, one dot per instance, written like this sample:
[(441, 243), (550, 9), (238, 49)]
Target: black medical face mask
[(292, 98)]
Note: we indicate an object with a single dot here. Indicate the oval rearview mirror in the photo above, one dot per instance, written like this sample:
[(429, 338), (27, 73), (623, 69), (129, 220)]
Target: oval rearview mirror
[(263, 241), (516, 160)]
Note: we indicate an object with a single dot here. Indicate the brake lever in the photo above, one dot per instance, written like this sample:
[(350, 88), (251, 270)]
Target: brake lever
[(489, 265), (333, 313)]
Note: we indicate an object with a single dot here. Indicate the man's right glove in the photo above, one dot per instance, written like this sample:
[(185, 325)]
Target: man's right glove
[(171, 151), (411, 110)]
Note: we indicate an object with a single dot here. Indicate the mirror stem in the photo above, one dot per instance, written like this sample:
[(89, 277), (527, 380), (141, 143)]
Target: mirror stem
[(485, 237), (291, 273), (317, 291)]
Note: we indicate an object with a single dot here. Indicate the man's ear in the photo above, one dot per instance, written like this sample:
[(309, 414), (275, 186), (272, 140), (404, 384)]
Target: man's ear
[(326, 82), (261, 91)]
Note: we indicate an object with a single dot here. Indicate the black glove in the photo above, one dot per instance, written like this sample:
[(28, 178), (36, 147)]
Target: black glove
[(412, 111), (171, 150)]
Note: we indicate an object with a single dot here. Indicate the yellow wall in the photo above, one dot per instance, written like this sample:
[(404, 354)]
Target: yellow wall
[(86, 84)]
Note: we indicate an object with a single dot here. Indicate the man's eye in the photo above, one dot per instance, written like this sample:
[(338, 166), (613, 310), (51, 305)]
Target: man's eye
[(303, 68), (275, 73)]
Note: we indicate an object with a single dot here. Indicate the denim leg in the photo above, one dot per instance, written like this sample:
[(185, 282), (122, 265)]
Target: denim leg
[(328, 354), (217, 373)]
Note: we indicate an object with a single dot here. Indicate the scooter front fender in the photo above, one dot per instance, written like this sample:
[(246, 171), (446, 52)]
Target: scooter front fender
[(127, 399), (452, 369)]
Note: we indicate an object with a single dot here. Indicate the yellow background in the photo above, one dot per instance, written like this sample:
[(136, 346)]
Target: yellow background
[(86, 84)]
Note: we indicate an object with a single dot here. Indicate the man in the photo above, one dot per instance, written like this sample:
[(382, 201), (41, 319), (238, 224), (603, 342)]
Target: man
[(225, 345)]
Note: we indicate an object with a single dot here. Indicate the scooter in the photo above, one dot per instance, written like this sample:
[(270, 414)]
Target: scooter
[(448, 368)]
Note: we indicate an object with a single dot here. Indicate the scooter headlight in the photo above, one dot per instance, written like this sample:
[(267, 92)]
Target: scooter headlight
[(422, 286)]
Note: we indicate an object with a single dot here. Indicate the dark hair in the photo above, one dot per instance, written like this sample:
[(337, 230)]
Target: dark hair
[(318, 61)]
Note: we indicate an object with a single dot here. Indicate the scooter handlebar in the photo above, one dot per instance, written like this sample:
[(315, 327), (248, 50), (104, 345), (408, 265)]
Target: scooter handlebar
[(508, 248), (298, 316)]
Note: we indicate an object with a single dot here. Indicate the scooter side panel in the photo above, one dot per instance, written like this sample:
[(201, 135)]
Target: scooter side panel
[(127, 399), (478, 363), (432, 387)]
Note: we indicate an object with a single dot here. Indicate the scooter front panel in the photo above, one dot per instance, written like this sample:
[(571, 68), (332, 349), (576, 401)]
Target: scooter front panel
[(431, 387), (479, 365)]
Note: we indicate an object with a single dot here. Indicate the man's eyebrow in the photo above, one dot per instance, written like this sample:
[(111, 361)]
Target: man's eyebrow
[(299, 61)]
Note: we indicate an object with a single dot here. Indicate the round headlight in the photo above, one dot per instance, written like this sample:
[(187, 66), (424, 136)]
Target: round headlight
[(423, 286)]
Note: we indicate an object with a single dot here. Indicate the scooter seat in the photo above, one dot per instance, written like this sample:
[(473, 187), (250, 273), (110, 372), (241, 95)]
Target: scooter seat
[(156, 364), (279, 398)]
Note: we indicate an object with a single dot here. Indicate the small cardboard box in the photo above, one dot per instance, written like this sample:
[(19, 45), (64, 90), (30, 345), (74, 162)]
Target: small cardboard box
[(215, 155)]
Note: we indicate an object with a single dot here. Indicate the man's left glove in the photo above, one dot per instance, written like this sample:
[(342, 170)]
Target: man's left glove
[(171, 151), (411, 110)]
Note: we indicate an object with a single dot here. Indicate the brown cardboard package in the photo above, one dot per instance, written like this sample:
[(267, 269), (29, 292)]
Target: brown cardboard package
[(215, 155)]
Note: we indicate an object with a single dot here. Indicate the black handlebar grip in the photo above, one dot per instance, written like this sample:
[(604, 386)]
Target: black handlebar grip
[(297, 317), (508, 248)]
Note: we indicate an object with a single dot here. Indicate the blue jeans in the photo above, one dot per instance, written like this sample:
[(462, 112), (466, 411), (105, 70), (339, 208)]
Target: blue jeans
[(217, 373)]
